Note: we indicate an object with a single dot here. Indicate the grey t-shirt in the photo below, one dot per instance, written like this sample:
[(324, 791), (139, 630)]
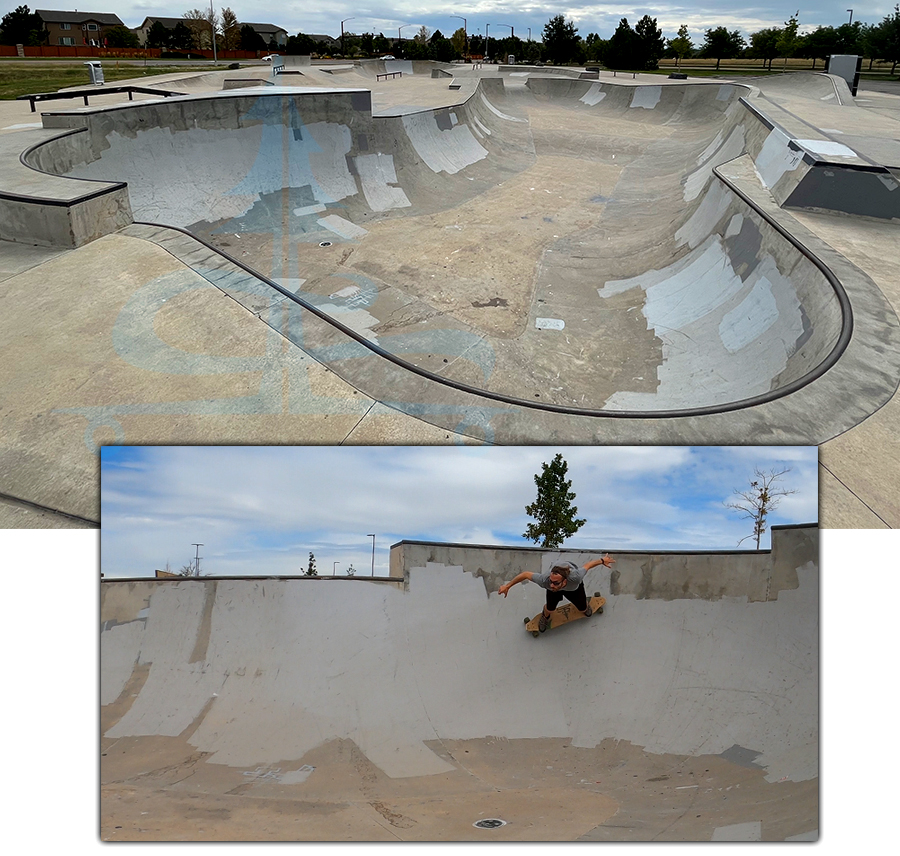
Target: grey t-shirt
[(576, 575)]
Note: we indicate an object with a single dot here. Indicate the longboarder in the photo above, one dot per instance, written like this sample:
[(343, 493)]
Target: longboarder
[(564, 579)]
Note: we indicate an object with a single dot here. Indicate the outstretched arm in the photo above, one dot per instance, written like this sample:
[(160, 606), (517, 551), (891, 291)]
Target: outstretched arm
[(519, 578), (606, 561)]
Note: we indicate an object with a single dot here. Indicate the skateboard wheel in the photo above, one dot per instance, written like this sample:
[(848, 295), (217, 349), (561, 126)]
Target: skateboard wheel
[(535, 633), (600, 610), (596, 594), (527, 620)]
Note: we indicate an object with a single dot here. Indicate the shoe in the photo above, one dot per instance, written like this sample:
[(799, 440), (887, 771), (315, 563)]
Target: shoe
[(588, 612), (543, 622)]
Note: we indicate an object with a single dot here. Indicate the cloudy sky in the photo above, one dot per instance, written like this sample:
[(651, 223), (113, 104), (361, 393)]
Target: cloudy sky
[(325, 17), (262, 510)]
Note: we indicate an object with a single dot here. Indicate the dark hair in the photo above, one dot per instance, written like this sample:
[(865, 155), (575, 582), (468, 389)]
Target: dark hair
[(562, 570)]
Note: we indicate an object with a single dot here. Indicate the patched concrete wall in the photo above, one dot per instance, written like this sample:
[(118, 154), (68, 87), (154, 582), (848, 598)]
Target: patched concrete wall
[(757, 576)]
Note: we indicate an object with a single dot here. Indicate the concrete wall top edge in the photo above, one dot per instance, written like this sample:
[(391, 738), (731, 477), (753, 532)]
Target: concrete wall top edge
[(579, 550)]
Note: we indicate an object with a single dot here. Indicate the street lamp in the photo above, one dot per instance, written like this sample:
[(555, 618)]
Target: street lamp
[(465, 34), (334, 569), (512, 32), (529, 34), (342, 34), (851, 15), (487, 40), (399, 37), (197, 562), (373, 553)]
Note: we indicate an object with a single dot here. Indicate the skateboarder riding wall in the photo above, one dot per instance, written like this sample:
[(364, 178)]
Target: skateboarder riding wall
[(564, 579)]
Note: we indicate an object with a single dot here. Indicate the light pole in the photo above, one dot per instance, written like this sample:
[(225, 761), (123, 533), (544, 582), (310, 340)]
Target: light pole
[(465, 35), (529, 34), (373, 553), (342, 35), (212, 26), (512, 32), (197, 562), (851, 15), (399, 37), (487, 40), (334, 569)]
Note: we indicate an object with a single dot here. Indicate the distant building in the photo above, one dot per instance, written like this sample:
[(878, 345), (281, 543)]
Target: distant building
[(270, 33), (324, 41), (77, 28), (267, 32)]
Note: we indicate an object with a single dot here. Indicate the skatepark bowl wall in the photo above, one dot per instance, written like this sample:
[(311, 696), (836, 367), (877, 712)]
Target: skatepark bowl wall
[(570, 247), (320, 709)]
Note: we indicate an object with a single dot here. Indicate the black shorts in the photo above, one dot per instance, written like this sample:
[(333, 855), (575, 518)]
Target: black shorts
[(578, 597)]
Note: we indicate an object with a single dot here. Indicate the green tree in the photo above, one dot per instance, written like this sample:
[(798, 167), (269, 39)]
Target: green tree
[(721, 44), (22, 27), (764, 45), (231, 30), (158, 35), (553, 509), (560, 40), (650, 42), (788, 40), (885, 39), (820, 43), (762, 498), (681, 45), (311, 567), (121, 37), (623, 50), (459, 41)]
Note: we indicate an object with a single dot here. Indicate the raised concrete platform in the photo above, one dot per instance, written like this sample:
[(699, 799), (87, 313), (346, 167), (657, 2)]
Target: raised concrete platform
[(585, 261), (347, 710)]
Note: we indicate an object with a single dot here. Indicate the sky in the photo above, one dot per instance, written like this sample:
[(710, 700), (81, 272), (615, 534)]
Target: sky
[(325, 17), (262, 510)]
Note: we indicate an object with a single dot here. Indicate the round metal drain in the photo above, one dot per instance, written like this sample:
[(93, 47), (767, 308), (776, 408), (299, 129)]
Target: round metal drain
[(325, 244), (489, 823)]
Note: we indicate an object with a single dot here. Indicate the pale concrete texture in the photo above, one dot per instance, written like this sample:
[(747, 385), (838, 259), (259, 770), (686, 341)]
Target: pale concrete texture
[(355, 710), (531, 257)]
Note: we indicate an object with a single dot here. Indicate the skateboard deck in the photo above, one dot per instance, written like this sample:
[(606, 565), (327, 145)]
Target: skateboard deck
[(565, 613)]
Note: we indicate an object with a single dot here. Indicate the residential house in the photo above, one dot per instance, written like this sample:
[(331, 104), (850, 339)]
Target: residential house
[(77, 28)]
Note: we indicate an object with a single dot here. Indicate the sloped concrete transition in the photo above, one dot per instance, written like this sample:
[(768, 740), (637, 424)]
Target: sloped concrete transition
[(412, 707), (539, 252)]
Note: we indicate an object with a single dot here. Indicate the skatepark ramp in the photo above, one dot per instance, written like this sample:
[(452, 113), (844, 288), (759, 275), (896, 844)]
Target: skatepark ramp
[(320, 709), (573, 248)]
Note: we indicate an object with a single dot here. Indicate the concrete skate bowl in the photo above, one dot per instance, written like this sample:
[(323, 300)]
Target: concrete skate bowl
[(346, 709), (568, 247)]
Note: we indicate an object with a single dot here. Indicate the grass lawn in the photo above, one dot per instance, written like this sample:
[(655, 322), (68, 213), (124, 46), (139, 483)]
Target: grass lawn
[(18, 80)]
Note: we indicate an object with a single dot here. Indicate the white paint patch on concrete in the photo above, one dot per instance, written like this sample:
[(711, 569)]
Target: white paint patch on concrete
[(479, 126), (328, 160), (309, 209), (453, 119), (832, 131), (739, 832), (735, 224), (402, 65), (752, 317), (887, 180), (720, 335), (296, 777), (828, 148), (346, 293), (646, 97), (775, 158), (377, 176), (697, 180), (119, 650), (594, 95), (703, 221), (358, 320), (442, 151), (549, 324), (497, 112), (725, 92), (711, 148), (342, 227)]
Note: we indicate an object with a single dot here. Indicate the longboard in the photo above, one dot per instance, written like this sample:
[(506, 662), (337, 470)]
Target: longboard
[(565, 613)]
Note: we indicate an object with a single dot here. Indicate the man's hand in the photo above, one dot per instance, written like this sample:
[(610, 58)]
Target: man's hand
[(504, 588)]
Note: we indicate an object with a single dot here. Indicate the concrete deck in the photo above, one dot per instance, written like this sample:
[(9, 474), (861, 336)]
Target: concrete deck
[(536, 201), (297, 709)]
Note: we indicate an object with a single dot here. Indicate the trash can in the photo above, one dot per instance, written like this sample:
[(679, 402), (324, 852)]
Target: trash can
[(96, 72)]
